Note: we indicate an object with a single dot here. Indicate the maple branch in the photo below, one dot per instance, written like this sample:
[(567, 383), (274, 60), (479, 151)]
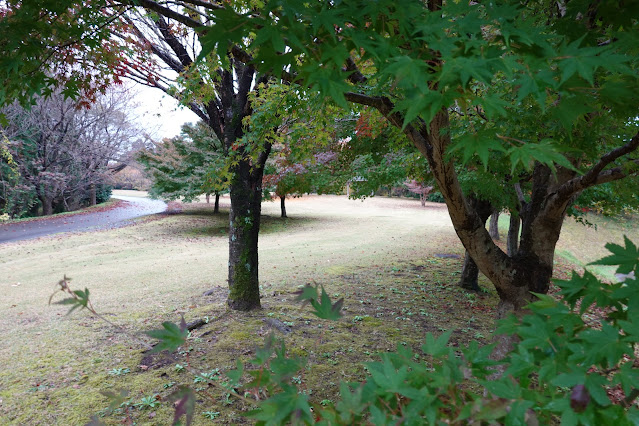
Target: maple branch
[(596, 175), (356, 76), (383, 105)]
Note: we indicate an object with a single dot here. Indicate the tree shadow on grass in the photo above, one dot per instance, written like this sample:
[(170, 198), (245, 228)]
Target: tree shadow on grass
[(199, 223)]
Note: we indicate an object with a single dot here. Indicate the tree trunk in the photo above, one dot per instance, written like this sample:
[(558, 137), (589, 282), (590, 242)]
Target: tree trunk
[(512, 240), (246, 198), (283, 206), (216, 206), (208, 197), (422, 198), (47, 206), (470, 274), (493, 225), (470, 271)]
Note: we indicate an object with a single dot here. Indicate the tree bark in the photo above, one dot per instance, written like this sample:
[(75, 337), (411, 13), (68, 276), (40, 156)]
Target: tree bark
[(216, 206), (47, 205), (283, 206), (93, 195), (470, 272), (246, 199), (512, 240), (493, 226)]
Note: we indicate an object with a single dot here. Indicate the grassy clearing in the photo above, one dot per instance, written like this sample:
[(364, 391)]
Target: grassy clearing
[(395, 263)]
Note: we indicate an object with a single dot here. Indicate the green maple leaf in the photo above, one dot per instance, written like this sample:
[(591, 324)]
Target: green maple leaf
[(325, 309), (171, 336), (625, 257)]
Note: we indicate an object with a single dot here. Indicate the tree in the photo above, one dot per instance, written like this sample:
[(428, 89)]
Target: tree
[(62, 150), (186, 166), (419, 188), (554, 87)]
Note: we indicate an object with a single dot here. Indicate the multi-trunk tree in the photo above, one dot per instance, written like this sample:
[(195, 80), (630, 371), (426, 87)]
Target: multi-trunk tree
[(554, 85)]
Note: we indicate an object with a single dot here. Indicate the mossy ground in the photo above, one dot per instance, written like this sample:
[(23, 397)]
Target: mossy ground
[(395, 264)]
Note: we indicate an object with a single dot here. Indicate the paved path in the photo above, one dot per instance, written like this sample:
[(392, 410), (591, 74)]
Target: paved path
[(112, 218)]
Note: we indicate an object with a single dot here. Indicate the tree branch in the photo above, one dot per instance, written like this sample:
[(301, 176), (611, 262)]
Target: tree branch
[(596, 175), (204, 4), (164, 11), (175, 45), (356, 76)]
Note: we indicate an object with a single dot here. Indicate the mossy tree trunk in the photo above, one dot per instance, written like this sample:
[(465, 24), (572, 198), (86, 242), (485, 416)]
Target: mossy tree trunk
[(246, 199), (245, 188)]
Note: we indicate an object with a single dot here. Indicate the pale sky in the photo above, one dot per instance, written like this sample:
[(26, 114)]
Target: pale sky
[(160, 115)]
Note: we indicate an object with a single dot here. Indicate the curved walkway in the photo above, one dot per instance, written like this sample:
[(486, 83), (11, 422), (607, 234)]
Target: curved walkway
[(118, 216)]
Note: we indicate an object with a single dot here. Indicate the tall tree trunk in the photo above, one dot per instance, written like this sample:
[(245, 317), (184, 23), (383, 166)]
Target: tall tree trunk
[(493, 225), (246, 199), (283, 205), (216, 206), (512, 240)]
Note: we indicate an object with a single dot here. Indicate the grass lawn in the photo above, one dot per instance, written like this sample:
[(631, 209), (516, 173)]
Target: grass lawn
[(395, 263)]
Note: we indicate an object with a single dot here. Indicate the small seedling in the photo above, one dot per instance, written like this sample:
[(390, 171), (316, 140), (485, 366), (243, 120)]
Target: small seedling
[(149, 402), (211, 415), (118, 372)]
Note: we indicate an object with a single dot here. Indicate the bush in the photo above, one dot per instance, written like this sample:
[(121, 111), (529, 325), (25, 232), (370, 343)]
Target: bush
[(103, 193), (435, 197)]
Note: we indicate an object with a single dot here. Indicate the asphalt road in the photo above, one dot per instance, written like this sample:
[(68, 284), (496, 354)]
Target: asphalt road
[(83, 222)]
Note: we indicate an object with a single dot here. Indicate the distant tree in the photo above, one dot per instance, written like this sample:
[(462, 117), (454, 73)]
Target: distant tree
[(419, 188), (187, 166)]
